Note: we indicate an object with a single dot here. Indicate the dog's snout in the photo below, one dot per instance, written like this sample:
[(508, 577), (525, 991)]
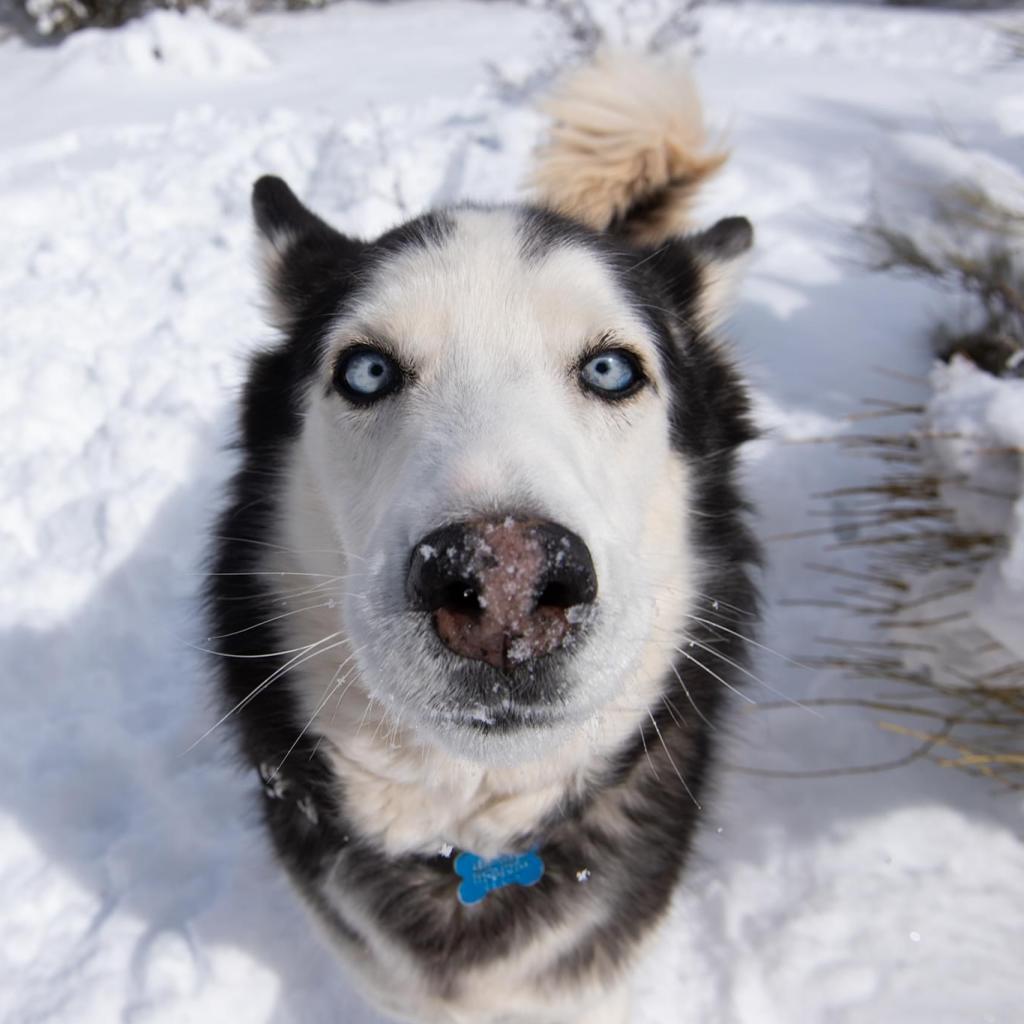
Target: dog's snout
[(503, 591)]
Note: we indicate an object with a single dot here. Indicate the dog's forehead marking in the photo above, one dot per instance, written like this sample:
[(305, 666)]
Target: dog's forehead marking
[(484, 288)]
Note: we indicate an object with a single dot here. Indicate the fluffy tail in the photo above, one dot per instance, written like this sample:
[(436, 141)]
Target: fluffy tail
[(627, 150)]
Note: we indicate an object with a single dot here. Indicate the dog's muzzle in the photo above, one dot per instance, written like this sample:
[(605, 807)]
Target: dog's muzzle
[(503, 591)]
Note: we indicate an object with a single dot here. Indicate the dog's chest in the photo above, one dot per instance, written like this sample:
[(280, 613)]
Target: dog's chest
[(407, 932), (603, 872)]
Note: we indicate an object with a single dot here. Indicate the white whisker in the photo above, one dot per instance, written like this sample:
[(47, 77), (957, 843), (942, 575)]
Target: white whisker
[(267, 654), (757, 679), (273, 618), (643, 740), (689, 697), (671, 761), (299, 659), (747, 639), (674, 713), (715, 675), (272, 572), (312, 718)]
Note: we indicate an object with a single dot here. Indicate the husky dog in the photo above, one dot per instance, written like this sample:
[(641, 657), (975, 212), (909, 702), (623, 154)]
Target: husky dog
[(483, 574)]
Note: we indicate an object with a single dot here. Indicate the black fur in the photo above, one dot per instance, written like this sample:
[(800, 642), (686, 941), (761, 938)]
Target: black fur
[(414, 897)]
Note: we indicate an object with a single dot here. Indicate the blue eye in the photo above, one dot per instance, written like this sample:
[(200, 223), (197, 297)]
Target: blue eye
[(613, 374), (363, 374)]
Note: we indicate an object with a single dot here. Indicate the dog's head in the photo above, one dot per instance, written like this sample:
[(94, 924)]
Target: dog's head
[(506, 429)]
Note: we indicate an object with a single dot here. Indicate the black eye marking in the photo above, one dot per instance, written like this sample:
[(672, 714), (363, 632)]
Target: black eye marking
[(364, 374), (612, 374)]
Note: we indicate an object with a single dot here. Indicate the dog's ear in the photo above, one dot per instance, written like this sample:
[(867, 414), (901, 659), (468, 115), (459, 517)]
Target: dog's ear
[(700, 271), (302, 256), (726, 240), (720, 256)]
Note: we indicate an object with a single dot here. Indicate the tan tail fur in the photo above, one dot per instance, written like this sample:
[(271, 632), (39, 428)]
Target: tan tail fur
[(627, 149)]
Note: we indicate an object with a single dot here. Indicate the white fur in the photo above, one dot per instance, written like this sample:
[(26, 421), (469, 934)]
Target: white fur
[(720, 281)]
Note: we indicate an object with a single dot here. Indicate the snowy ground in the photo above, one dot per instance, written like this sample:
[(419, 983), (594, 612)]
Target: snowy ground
[(133, 885)]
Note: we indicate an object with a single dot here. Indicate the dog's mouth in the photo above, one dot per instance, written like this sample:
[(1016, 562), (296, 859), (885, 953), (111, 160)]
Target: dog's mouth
[(497, 631), (485, 700), (500, 719)]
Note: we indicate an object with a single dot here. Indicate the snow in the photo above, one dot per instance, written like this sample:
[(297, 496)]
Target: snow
[(977, 435), (134, 881)]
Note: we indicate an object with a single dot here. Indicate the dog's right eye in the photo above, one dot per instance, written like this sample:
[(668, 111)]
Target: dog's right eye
[(363, 374)]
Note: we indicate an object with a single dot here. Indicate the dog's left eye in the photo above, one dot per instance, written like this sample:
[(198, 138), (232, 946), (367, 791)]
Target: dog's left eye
[(612, 374), (363, 374)]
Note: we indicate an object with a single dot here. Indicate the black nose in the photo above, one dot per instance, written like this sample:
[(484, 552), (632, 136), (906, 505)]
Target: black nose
[(503, 591)]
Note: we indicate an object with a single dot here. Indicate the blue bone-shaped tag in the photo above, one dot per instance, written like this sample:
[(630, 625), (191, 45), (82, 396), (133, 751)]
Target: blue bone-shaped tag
[(479, 876)]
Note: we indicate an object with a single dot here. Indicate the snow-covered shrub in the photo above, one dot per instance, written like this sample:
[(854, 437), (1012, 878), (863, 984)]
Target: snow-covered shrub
[(654, 25), (59, 17)]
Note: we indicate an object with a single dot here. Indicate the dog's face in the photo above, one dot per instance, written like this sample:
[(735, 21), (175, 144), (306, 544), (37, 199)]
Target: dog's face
[(490, 420)]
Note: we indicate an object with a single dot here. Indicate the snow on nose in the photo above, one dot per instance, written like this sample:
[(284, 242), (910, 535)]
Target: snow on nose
[(503, 591)]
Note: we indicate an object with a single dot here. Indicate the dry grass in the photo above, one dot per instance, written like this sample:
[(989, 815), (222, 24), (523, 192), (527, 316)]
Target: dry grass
[(913, 594)]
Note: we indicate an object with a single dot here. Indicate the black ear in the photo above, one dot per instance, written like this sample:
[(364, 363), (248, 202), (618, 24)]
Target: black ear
[(726, 239), (718, 253), (303, 257)]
